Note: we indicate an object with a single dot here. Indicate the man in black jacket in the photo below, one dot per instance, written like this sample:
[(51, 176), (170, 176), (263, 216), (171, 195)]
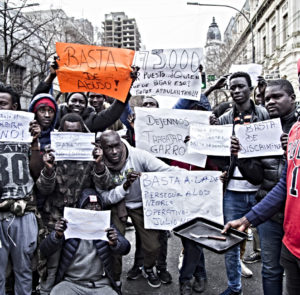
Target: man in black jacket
[(266, 171), (239, 195), (85, 265)]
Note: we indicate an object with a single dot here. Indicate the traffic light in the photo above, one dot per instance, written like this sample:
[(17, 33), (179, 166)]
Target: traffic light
[(203, 80)]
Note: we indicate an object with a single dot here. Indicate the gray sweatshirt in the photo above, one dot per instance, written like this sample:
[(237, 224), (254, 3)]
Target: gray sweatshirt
[(139, 161)]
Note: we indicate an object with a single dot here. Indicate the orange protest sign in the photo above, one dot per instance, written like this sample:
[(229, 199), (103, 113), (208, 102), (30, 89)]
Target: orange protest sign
[(104, 70)]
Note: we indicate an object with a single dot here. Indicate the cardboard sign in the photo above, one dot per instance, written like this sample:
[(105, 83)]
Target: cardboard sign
[(74, 146), (169, 72), (104, 70), (162, 132), (86, 224), (14, 126), (211, 140), (172, 198), (259, 139)]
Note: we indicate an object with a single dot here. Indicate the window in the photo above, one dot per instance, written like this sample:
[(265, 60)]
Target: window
[(273, 36), (285, 28), (264, 46)]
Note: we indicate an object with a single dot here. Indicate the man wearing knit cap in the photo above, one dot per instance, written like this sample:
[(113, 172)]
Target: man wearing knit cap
[(45, 108)]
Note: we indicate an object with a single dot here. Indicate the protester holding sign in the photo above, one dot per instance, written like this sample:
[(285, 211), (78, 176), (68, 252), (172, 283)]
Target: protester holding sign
[(285, 193), (85, 265), (77, 102), (125, 163), (266, 171), (62, 183), (239, 195), (18, 213)]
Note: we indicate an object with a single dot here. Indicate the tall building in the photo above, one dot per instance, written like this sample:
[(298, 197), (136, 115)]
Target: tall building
[(120, 31), (276, 31), (214, 53), (213, 50)]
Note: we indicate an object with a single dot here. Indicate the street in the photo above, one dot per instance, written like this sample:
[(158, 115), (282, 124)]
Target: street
[(215, 268)]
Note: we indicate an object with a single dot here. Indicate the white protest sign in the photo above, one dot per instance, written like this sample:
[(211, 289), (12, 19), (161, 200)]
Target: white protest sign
[(162, 132), (168, 72), (172, 198), (14, 126), (253, 70), (211, 140), (74, 146), (259, 139), (86, 224)]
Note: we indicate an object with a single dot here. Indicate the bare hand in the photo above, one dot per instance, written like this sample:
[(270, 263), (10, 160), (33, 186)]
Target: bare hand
[(35, 129), (53, 66), (131, 177), (187, 139), (112, 236), (221, 82), (98, 156), (134, 74), (213, 120), (48, 159), (240, 224), (284, 140), (224, 177), (131, 119), (60, 227), (200, 68), (235, 145)]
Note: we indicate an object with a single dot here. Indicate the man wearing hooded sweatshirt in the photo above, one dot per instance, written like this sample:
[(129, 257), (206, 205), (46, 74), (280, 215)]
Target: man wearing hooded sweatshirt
[(63, 183), (85, 265), (45, 109)]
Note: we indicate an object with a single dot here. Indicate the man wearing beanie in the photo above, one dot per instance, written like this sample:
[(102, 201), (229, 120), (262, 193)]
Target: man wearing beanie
[(45, 108)]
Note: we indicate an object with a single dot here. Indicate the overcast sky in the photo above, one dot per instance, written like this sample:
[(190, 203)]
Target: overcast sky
[(162, 23)]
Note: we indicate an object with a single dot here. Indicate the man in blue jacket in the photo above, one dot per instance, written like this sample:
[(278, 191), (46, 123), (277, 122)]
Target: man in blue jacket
[(85, 265)]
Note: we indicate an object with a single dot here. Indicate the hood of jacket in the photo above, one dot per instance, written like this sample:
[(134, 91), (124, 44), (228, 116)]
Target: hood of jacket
[(86, 193)]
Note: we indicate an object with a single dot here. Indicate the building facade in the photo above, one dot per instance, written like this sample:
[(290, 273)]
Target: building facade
[(275, 25), (120, 31), (27, 47)]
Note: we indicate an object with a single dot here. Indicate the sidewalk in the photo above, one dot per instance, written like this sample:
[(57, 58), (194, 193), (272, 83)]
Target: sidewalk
[(217, 281)]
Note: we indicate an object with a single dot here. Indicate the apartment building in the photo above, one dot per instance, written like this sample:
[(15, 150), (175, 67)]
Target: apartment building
[(120, 31)]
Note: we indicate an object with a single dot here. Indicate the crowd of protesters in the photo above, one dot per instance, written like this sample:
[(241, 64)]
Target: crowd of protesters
[(35, 257)]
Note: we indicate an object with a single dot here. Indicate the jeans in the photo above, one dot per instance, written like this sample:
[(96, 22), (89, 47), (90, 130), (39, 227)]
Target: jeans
[(193, 261), (271, 234), (235, 206), (291, 266)]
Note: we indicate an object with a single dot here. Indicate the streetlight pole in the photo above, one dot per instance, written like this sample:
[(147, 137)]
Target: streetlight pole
[(247, 19)]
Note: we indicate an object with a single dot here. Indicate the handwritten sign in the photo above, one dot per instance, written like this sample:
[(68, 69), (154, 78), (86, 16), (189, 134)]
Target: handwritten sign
[(254, 70), (14, 126), (260, 139), (210, 139), (74, 146), (169, 72), (104, 70), (172, 198), (86, 224), (162, 132)]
